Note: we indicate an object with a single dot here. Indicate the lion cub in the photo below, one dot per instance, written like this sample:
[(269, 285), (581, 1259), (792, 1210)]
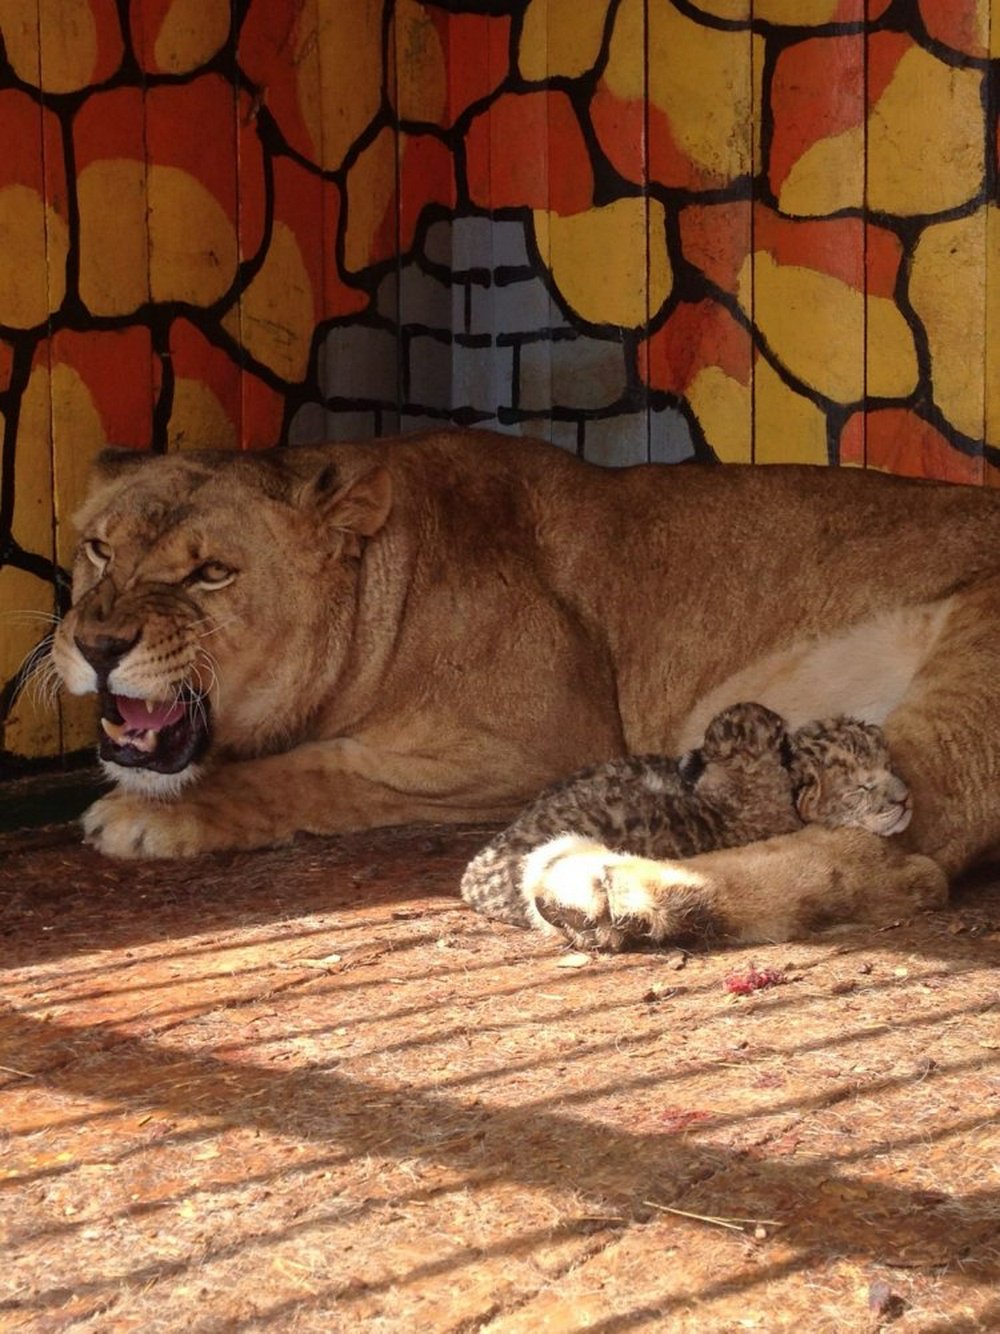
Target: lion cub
[(750, 779)]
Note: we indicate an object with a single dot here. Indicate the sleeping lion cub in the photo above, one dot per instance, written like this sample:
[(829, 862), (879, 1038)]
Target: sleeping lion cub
[(750, 779)]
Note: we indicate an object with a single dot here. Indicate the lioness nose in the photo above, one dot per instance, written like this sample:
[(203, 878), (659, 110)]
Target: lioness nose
[(104, 652)]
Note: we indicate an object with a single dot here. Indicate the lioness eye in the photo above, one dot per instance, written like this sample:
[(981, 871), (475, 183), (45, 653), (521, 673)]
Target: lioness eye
[(97, 552), (213, 574)]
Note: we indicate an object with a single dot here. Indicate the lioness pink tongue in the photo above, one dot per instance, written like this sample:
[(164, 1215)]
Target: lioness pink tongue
[(147, 715)]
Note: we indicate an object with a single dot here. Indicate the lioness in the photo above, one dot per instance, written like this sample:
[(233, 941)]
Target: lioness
[(749, 779), (434, 628)]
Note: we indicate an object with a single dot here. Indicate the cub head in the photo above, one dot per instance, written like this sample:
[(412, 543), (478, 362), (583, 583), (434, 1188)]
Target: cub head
[(843, 775), (212, 593), (743, 760)]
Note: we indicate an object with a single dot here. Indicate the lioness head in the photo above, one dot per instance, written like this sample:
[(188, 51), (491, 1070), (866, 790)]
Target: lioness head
[(208, 591)]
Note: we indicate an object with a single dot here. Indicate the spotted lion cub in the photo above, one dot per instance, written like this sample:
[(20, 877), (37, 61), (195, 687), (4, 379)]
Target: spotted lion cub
[(750, 779)]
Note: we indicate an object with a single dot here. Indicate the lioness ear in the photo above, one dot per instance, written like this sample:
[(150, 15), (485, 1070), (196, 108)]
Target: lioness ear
[(361, 507), (114, 462)]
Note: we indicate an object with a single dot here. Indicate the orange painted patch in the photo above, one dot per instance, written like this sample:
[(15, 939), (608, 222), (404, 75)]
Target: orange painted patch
[(123, 376), (193, 357), (110, 47), (190, 44), (716, 239), (843, 248), (898, 441), (176, 120), (6, 363), (885, 51), (426, 176), (528, 151), (854, 11), (109, 125), (817, 92), (254, 408), (620, 126), (954, 22), (267, 40), (263, 410), (311, 207), (696, 335), (167, 127), (639, 142), (477, 51), (32, 147)]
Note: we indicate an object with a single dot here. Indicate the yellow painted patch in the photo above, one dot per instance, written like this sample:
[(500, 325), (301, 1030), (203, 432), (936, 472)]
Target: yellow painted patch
[(723, 406), (338, 62), (801, 13), (26, 603), (892, 357), (77, 435), (371, 188), (925, 137), (991, 350), (33, 526), (830, 175), (274, 320), (815, 324), (788, 428), (420, 71), (948, 288), (114, 251), (34, 242), (707, 83), (191, 33), (51, 44), (193, 250), (598, 260), (198, 420), (560, 38)]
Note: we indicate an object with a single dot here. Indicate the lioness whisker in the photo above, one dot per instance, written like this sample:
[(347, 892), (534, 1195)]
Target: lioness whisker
[(37, 674), (28, 614), (219, 625)]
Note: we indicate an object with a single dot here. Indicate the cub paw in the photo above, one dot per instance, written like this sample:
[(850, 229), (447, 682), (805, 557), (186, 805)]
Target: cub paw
[(131, 827)]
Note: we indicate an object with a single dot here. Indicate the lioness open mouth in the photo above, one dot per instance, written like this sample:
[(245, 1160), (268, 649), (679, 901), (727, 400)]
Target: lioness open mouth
[(165, 736)]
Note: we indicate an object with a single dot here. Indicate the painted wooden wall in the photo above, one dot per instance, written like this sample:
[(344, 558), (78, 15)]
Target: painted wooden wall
[(751, 230)]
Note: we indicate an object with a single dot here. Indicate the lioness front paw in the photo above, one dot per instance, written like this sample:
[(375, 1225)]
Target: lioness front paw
[(128, 826), (919, 885), (600, 899)]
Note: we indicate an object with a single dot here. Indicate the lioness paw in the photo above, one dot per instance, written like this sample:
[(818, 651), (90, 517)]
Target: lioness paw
[(919, 886), (127, 826), (600, 899)]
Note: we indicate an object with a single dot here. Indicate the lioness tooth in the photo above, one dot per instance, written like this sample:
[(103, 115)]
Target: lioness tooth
[(114, 730), (150, 705)]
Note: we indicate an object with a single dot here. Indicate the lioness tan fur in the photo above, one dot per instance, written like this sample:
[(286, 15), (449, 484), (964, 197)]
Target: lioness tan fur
[(434, 628)]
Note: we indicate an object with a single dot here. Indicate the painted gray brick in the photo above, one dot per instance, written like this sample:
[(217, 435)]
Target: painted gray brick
[(669, 437), (314, 422), (424, 300), (482, 377), (513, 308), (358, 362), (476, 243), (429, 379), (634, 437)]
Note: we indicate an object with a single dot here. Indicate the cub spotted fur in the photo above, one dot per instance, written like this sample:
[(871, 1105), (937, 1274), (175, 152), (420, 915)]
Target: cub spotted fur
[(750, 779)]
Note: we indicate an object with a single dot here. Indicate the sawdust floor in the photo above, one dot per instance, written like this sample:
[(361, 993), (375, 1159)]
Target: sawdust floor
[(307, 1090)]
